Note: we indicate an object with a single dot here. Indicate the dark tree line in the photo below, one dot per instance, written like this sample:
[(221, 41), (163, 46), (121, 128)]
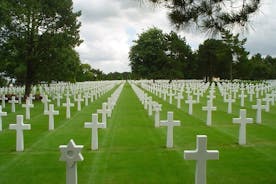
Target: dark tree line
[(86, 73), (158, 55)]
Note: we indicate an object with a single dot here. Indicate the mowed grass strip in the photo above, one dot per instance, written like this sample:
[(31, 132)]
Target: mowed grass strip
[(133, 151)]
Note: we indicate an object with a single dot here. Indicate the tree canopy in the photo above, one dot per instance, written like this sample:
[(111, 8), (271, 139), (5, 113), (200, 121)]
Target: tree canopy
[(159, 55), (37, 40), (210, 15)]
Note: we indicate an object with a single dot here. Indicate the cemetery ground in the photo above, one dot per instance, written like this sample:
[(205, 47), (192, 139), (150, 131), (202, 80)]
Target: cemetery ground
[(131, 150)]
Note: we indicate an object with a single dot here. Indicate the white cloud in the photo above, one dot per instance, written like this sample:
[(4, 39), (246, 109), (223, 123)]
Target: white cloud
[(109, 27), (261, 38)]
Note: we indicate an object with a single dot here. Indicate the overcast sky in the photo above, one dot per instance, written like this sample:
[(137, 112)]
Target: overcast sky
[(109, 27)]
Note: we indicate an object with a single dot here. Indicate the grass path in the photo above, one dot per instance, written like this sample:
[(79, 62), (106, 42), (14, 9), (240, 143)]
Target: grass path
[(132, 151)]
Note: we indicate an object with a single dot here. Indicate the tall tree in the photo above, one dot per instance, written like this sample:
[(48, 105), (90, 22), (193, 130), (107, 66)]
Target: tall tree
[(159, 55), (37, 40), (234, 48), (212, 57), (179, 55), (147, 55), (210, 15)]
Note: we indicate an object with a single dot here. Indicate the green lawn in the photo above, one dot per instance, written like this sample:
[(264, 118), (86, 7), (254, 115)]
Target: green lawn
[(131, 150)]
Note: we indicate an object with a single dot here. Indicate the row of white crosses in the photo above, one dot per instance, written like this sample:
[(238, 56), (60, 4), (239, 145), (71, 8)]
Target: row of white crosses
[(250, 89), (148, 104), (51, 112), (232, 88), (242, 120), (95, 125), (209, 107), (71, 153), (177, 93), (169, 123), (201, 154), (20, 126), (227, 89), (1, 115)]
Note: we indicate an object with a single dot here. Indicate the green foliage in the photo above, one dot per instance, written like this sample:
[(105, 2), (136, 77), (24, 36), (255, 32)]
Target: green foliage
[(235, 49), (158, 55), (210, 15), (3, 81), (147, 55), (213, 59), (85, 73), (38, 39)]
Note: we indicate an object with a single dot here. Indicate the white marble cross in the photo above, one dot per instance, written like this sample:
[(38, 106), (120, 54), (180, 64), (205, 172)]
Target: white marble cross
[(165, 94), (1, 114), (104, 112), (178, 98), (211, 95), (19, 97), (209, 108), (150, 103), (251, 93), (170, 123), (13, 102), (157, 108), (45, 101), (51, 113), (68, 106), (79, 100), (67, 95), (86, 97), (31, 98), (170, 94), (28, 107), (201, 155), (146, 101), (71, 153), (242, 96), (109, 106), (190, 101), (259, 108), (19, 127), (3, 98), (271, 96), (267, 99), (229, 100), (197, 93), (58, 97), (94, 125), (92, 96), (242, 120)]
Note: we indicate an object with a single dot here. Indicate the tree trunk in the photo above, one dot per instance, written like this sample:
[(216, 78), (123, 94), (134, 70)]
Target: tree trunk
[(28, 79), (231, 71)]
